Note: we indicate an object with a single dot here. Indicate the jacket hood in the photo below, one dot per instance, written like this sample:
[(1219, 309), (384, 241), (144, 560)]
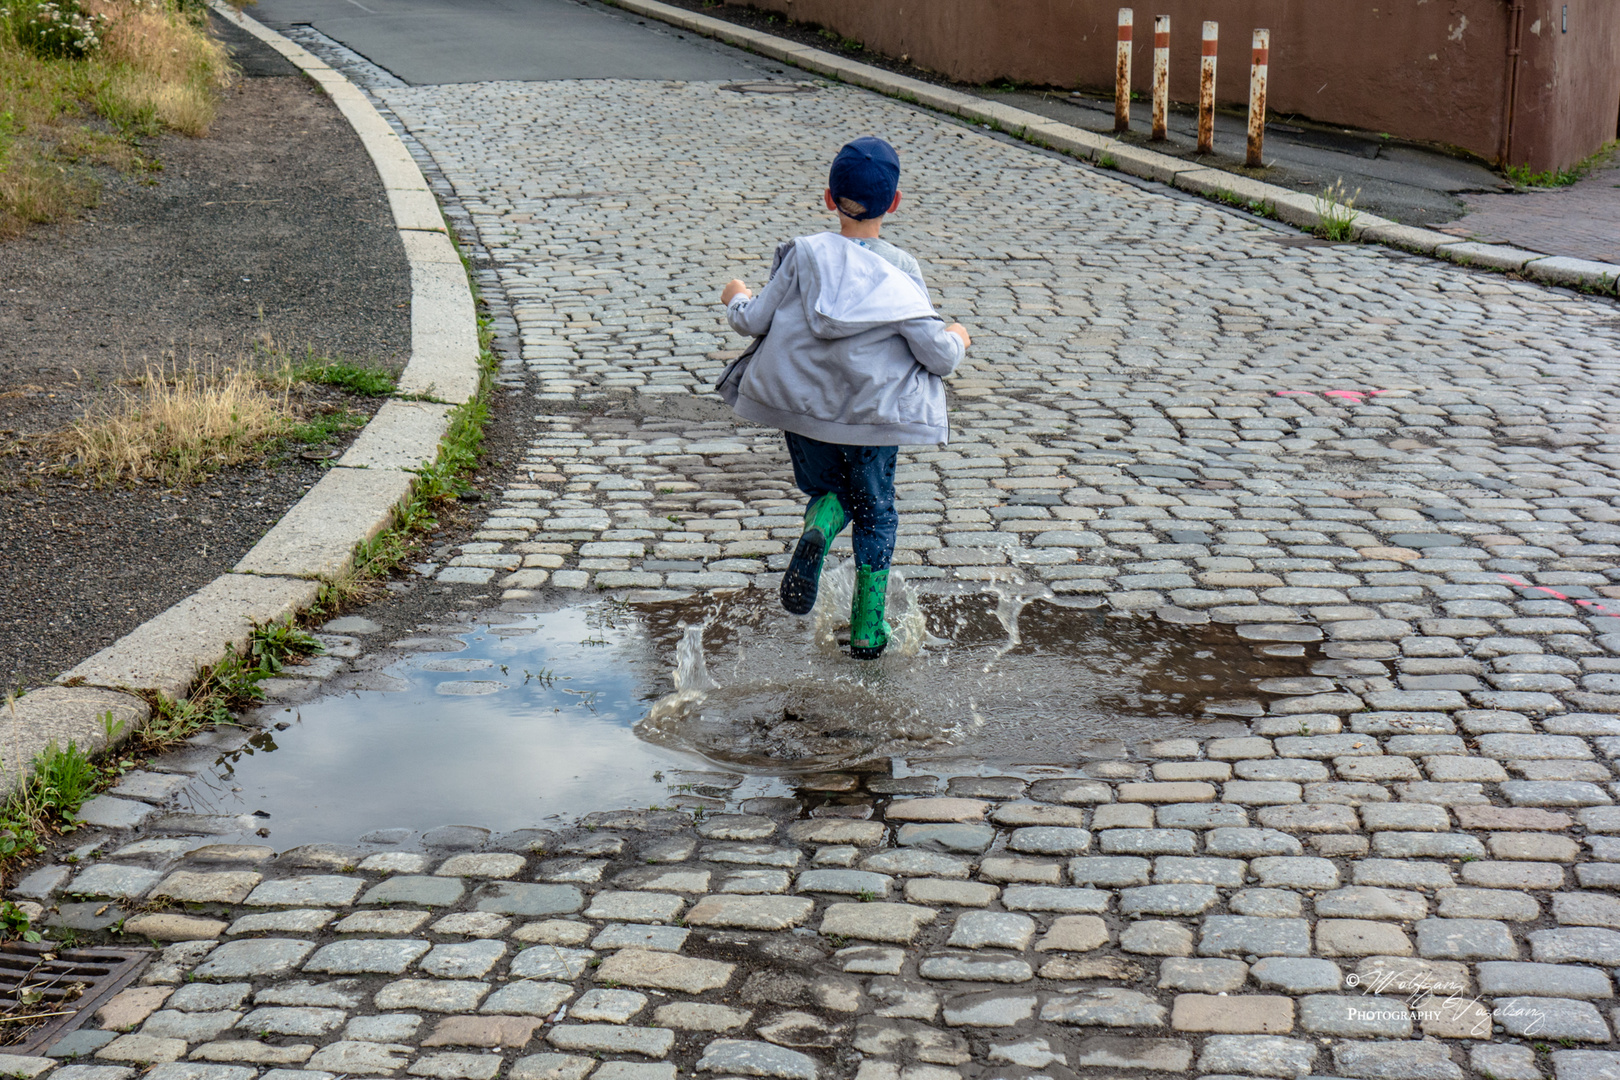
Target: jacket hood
[(849, 290)]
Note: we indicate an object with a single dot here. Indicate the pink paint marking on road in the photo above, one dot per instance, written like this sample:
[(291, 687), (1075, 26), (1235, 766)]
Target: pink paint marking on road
[(1351, 395), (1593, 604)]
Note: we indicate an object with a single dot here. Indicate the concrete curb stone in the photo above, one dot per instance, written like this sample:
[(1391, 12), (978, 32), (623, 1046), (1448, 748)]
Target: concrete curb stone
[(57, 714), (403, 435), (165, 653), (316, 538), (1291, 206)]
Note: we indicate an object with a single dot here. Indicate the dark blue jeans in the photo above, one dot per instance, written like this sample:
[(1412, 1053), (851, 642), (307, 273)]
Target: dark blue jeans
[(863, 479)]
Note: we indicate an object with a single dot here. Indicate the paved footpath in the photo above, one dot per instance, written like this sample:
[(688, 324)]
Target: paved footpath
[(1582, 220), (1403, 870)]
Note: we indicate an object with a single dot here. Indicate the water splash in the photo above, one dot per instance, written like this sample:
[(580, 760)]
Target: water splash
[(691, 667), (905, 614), (691, 677), (1010, 604)]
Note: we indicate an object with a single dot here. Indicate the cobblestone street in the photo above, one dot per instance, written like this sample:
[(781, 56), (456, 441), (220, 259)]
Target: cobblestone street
[(1165, 403), (1399, 867)]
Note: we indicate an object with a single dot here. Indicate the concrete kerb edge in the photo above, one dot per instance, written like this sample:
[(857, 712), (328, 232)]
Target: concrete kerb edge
[(113, 680), (1601, 278)]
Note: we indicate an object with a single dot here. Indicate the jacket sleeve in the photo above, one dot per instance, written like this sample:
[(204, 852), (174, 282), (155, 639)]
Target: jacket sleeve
[(934, 348), (753, 315)]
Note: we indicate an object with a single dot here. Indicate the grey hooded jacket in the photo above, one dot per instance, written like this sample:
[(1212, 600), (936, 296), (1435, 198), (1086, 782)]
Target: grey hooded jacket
[(848, 349)]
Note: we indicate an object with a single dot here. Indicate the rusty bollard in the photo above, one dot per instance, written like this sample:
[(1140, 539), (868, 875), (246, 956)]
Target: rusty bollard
[(1161, 75), (1122, 73), (1206, 89), (1257, 97)]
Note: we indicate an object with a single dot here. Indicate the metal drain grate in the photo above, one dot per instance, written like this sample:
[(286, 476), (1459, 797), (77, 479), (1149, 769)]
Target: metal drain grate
[(59, 986), (766, 86)]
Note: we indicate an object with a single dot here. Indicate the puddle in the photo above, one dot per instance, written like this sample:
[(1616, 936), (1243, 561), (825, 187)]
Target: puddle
[(604, 705)]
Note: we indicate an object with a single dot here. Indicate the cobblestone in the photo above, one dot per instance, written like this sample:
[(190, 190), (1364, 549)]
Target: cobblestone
[(1383, 459)]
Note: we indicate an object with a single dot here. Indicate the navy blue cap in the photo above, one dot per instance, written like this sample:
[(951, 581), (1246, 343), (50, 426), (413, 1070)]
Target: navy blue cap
[(867, 171)]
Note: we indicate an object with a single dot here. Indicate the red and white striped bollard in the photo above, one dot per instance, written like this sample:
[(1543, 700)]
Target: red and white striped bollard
[(1259, 62), (1122, 73), (1161, 76), (1206, 88)]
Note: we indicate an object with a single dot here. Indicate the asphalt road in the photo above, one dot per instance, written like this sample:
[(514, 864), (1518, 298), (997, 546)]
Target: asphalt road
[(426, 42)]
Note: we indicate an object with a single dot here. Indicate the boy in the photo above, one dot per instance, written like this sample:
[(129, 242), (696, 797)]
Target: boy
[(847, 360)]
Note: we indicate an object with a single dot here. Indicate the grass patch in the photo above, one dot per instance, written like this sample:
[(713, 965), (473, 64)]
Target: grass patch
[(1257, 207), (361, 380), (174, 426), (1335, 212), (83, 82), (1555, 178)]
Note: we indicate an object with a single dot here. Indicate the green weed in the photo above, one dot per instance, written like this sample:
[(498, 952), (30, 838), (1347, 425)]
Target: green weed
[(1257, 207), (355, 378), (47, 800), (847, 44), (273, 644), (322, 427), (1553, 178), (232, 683), (1336, 212), (1108, 161), (64, 778), (14, 924)]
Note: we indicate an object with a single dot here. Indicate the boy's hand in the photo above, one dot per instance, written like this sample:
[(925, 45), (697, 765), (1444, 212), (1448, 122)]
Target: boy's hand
[(960, 331), (733, 288)]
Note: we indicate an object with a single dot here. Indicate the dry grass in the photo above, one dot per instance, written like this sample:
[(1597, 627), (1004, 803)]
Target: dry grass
[(35, 191), (157, 69), (175, 426), (162, 65)]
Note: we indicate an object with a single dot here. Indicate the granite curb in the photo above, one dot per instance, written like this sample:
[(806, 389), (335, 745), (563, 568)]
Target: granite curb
[(316, 539), (1290, 206)]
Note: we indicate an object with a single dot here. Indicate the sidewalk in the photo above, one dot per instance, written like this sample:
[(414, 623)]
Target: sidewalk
[(1582, 220), (1411, 184)]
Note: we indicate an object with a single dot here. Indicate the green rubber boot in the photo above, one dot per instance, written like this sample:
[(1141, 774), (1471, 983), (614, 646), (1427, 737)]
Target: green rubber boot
[(868, 630), (823, 520)]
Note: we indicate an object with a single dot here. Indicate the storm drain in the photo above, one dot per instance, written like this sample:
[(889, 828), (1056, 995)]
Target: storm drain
[(767, 86), (46, 991)]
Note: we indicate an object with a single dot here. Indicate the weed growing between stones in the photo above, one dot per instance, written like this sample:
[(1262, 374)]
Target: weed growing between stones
[(62, 779), (59, 781), (232, 683), (1257, 207), (1335, 212), (445, 479), (81, 82), (438, 483)]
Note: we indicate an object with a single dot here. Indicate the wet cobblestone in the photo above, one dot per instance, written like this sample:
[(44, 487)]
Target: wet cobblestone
[(1165, 411)]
